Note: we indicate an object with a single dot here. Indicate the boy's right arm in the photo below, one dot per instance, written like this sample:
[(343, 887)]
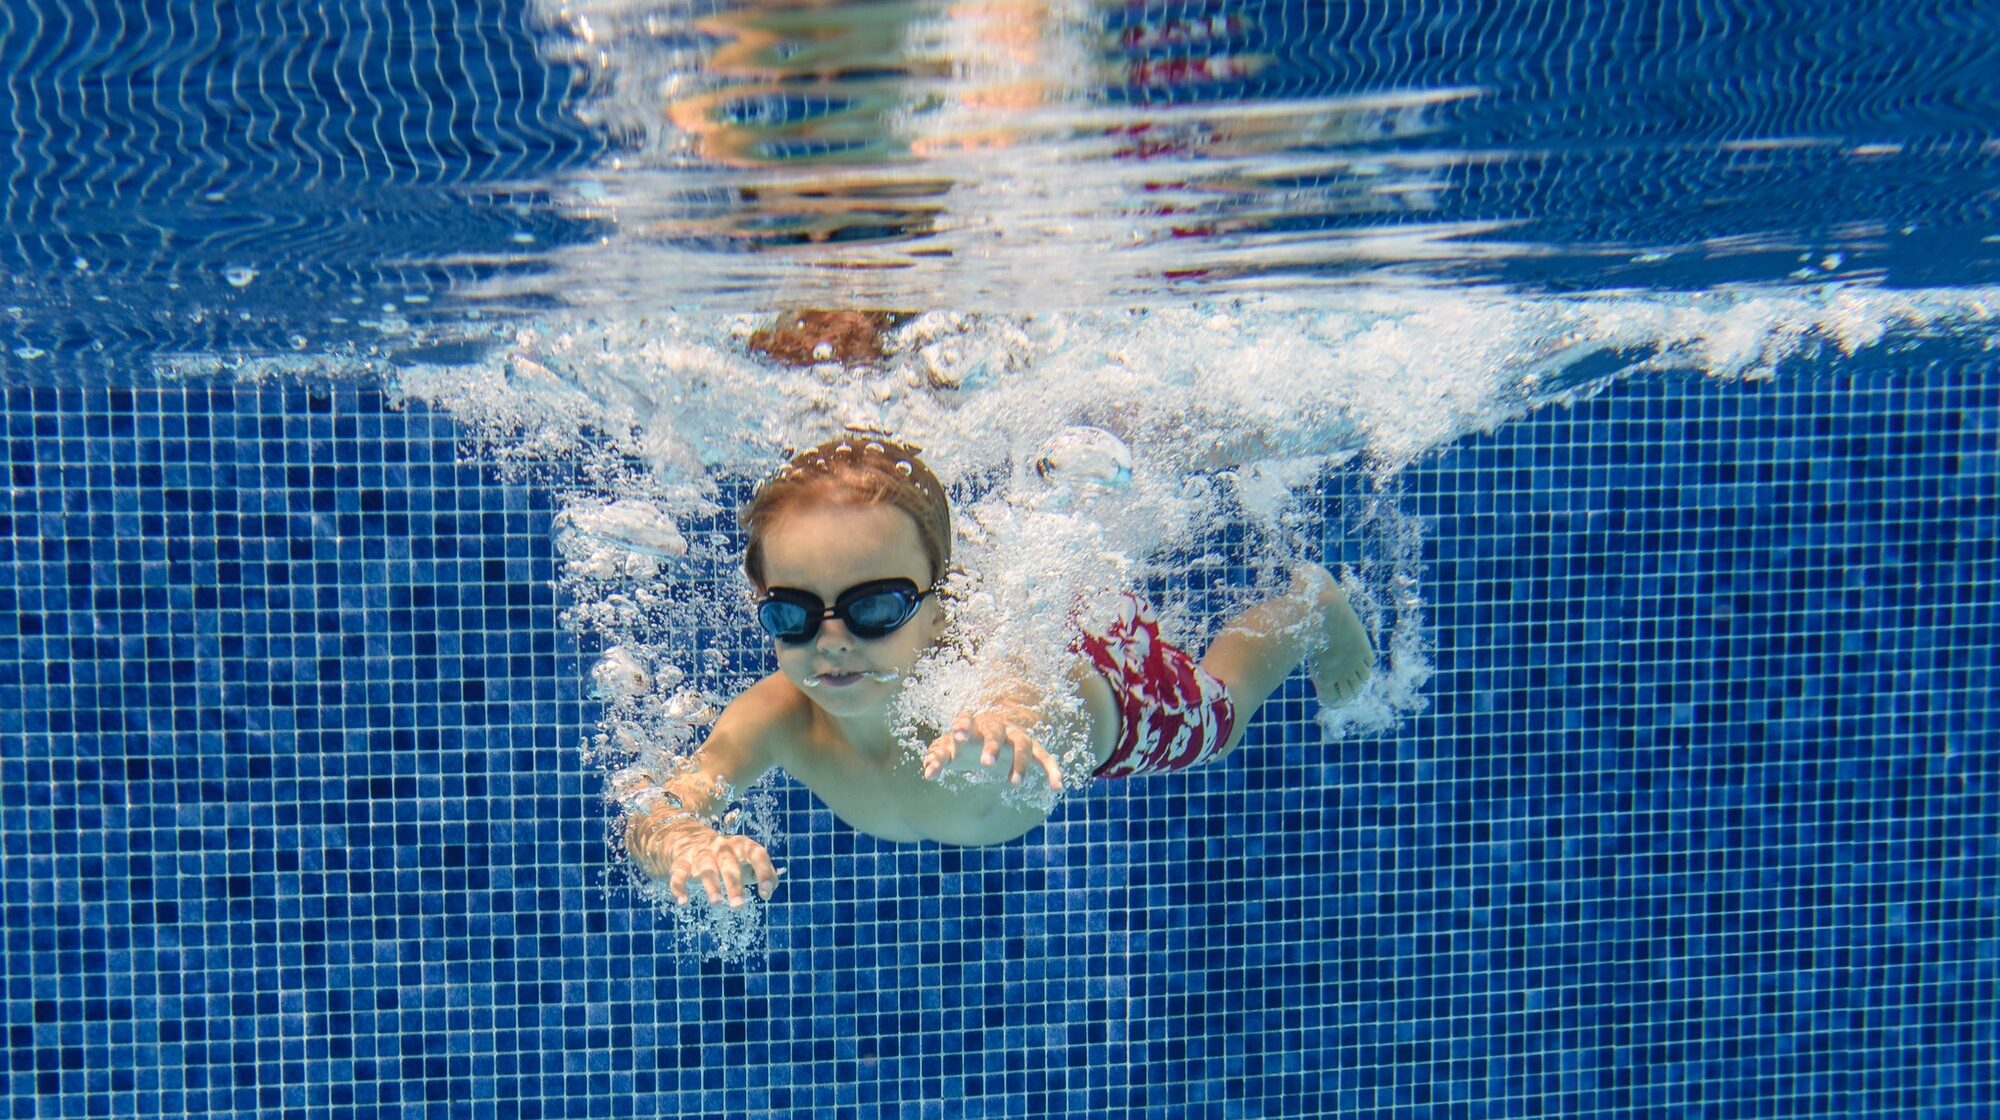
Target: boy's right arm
[(669, 831)]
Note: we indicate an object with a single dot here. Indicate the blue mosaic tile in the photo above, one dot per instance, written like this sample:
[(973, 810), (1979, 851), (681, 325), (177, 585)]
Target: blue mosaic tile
[(293, 820)]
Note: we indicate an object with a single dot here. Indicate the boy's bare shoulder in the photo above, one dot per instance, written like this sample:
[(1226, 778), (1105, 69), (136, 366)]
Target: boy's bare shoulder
[(766, 720)]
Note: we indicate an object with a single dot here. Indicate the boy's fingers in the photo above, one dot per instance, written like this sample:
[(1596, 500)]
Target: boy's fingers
[(1023, 753), (1049, 764), (752, 878), (731, 873), (691, 876), (710, 875), (724, 872), (767, 875), (942, 751)]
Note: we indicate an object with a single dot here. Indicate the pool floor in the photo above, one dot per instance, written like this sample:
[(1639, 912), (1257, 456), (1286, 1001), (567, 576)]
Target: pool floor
[(1699, 819)]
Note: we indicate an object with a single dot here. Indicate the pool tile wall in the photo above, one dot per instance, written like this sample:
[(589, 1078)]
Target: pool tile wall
[(1699, 819)]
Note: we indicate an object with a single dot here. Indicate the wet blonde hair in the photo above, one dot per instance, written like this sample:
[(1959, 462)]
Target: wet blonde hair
[(865, 469)]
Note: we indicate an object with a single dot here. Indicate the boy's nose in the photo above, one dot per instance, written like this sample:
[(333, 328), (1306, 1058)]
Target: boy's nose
[(833, 635)]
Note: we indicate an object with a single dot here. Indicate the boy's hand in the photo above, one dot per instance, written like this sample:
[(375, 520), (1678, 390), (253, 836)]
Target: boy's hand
[(992, 743), (722, 867), (685, 850)]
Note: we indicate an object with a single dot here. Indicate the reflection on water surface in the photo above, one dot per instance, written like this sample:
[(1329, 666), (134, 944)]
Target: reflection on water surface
[(363, 179), (912, 154), (1041, 153)]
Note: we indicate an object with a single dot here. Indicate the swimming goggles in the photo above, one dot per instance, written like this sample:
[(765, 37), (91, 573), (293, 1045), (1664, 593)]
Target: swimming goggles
[(869, 610)]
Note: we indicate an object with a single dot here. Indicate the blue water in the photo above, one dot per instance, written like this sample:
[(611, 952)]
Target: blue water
[(1699, 819)]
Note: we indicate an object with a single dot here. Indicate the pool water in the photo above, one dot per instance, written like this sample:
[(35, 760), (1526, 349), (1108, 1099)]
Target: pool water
[(1696, 821), (1693, 816)]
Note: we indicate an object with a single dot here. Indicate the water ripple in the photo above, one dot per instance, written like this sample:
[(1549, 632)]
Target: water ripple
[(490, 156)]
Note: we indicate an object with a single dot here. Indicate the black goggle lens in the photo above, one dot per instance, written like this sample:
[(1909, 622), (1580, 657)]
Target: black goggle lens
[(870, 611), (787, 622)]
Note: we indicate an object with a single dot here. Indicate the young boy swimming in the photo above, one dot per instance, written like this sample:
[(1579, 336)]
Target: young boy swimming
[(847, 548)]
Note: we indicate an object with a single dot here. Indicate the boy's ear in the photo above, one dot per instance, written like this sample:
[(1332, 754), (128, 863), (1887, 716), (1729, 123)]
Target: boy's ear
[(948, 586)]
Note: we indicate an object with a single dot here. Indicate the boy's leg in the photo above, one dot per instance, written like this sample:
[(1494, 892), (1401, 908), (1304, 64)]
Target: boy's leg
[(1256, 650)]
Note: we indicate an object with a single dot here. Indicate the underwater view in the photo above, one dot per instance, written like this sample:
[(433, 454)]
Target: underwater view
[(1010, 558)]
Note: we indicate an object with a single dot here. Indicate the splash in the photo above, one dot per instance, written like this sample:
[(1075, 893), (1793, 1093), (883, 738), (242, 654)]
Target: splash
[(1084, 453), (1384, 587)]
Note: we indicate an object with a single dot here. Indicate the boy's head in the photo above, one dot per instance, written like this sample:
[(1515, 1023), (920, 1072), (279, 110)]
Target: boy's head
[(857, 469)]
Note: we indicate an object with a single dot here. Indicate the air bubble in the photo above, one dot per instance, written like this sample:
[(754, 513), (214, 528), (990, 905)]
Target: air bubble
[(619, 674), (298, 342), (239, 276), (904, 468), (29, 353), (629, 525), (823, 352), (1087, 455), (522, 237)]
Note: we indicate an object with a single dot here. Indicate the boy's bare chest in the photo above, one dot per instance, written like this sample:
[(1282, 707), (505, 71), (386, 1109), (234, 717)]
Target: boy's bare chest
[(891, 799)]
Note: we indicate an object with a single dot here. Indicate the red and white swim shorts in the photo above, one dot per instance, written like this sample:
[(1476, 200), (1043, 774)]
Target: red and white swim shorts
[(1172, 713)]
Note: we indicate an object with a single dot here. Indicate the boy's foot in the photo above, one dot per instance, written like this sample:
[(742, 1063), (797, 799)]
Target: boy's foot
[(1338, 658)]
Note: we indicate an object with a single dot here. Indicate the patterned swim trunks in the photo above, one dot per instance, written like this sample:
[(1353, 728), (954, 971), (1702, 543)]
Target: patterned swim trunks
[(1172, 713)]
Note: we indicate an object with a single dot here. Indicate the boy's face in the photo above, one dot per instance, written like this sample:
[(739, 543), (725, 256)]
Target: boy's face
[(824, 550)]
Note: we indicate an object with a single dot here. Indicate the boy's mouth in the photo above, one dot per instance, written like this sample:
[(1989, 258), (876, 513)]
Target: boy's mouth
[(848, 680)]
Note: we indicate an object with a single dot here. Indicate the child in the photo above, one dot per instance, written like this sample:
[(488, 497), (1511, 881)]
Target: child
[(847, 547)]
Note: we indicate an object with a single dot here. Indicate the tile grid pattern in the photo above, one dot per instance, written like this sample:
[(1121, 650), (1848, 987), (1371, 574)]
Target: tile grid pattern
[(1698, 818)]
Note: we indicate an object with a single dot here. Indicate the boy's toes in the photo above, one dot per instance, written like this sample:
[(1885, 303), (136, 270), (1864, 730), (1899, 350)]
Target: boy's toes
[(1335, 687), (1343, 661)]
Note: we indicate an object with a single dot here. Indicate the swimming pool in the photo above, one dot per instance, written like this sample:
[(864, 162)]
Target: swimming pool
[(1697, 818)]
